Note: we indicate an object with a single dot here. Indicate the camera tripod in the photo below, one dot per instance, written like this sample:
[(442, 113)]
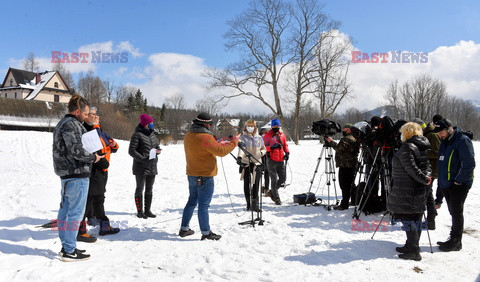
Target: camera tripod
[(329, 171), (377, 172)]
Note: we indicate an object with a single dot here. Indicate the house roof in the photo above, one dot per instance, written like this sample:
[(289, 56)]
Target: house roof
[(20, 76), (27, 80), (44, 79)]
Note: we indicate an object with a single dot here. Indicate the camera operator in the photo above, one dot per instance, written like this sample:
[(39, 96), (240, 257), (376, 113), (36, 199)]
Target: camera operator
[(346, 152)]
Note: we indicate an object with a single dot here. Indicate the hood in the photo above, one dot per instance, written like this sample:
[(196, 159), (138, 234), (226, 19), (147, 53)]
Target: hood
[(420, 141)]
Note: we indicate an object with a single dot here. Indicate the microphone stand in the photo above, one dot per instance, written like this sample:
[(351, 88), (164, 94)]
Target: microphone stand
[(251, 158)]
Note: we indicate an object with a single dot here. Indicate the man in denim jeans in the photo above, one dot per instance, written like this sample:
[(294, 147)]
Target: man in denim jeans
[(201, 151), (73, 164)]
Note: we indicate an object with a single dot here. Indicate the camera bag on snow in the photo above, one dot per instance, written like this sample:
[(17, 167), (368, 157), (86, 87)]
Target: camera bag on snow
[(305, 198)]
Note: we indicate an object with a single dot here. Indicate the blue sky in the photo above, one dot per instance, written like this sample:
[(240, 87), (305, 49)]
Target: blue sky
[(157, 33)]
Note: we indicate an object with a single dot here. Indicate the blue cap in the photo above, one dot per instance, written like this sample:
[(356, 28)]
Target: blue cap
[(275, 122)]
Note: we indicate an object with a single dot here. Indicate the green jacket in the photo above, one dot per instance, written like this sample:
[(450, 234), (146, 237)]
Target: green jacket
[(434, 146), (346, 151)]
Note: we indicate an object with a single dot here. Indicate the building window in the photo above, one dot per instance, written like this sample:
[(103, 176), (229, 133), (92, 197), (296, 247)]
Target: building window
[(5, 94), (11, 82), (55, 85), (56, 98)]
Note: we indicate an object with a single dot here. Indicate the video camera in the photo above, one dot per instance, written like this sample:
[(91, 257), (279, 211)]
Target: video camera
[(325, 127)]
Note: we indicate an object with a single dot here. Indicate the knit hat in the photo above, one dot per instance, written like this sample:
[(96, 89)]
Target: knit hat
[(275, 122), (263, 130), (203, 118), (348, 125), (442, 124), (420, 122), (376, 120), (436, 118), (145, 120)]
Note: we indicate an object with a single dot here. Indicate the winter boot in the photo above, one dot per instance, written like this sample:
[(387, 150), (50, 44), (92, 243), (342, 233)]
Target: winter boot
[(413, 256), (448, 241), (454, 245), (148, 204), (139, 204)]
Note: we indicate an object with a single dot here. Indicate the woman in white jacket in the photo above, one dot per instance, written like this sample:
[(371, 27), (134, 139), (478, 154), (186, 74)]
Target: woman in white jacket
[(251, 171)]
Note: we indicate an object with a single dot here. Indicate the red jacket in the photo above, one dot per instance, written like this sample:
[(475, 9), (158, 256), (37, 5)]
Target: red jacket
[(270, 139)]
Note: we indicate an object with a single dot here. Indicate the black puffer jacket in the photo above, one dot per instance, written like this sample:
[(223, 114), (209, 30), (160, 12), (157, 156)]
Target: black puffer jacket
[(142, 141), (410, 172)]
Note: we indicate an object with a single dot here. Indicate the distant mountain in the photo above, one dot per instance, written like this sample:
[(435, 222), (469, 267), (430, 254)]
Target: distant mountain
[(476, 103), (380, 111)]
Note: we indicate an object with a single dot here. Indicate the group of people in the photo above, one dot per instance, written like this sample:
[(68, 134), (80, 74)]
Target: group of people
[(414, 167), (84, 174), (436, 150)]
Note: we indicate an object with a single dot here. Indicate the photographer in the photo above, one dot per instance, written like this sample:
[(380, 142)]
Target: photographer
[(346, 152)]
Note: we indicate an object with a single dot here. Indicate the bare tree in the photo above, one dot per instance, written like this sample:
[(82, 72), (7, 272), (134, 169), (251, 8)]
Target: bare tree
[(66, 75), (422, 97), (308, 28), (176, 102), (110, 89), (332, 71), (91, 87), (122, 93), (207, 105), (30, 63), (258, 34)]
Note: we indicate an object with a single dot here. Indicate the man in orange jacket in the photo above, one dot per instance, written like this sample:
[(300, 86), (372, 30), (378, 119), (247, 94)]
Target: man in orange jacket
[(201, 150)]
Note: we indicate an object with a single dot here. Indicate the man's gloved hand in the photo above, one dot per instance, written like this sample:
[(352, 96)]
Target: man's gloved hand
[(239, 161), (287, 155), (275, 146)]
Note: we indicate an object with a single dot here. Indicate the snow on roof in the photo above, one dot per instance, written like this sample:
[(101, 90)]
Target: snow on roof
[(45, 78)]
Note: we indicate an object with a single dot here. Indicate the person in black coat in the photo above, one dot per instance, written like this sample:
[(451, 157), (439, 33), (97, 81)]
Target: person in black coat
[(411, 174), (143, 145), (98, 181)]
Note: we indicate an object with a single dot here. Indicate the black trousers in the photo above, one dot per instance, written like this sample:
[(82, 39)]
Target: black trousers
[(455, 196), (412, 225), (346, 177), (266, 176), (144, 181), (247, 175), (439, 195), (430, 202), (277, 176), (95, 209)]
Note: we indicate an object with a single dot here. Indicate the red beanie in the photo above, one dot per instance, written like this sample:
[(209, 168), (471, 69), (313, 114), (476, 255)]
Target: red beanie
[(145, 120)]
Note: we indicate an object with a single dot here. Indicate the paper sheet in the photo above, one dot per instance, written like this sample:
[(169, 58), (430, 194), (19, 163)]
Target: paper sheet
[(153, 153), (91, 141)]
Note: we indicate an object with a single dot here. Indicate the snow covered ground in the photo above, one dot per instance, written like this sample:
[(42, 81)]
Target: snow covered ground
[(297, 243)]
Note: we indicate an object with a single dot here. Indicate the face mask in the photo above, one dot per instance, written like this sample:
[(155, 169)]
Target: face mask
[(151, 126), (250, 129), (276, 129)]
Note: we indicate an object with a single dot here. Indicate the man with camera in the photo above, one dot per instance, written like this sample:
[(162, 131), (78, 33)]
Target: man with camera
[(346, 152)]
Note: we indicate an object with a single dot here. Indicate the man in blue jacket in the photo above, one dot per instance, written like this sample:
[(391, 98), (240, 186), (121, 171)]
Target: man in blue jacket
[(456, 162)]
